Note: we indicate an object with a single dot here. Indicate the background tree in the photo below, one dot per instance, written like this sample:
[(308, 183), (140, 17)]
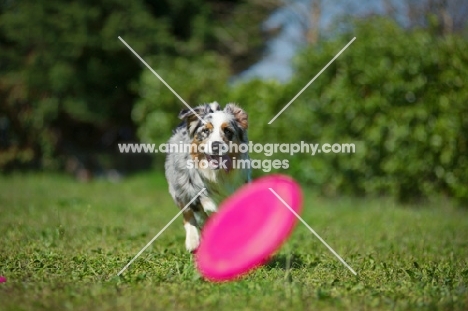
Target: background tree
[(402, 102), (67, 84)]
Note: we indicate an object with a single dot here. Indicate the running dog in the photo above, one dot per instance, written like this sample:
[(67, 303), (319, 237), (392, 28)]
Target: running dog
[(209, 162)]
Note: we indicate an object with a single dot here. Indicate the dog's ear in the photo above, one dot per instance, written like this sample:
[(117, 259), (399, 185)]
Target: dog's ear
[(239, 114), (186, 114), (191, 118), (200, 110)]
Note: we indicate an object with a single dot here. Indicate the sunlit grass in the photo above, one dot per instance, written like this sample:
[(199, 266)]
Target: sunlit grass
[(62, 243)]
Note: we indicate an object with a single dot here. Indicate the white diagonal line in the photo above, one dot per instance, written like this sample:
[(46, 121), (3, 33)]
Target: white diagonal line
[(311, 81), (312, 230), (160, 232), (161, 79)]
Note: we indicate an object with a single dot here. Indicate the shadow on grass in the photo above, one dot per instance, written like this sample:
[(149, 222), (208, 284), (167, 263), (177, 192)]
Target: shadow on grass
[(280, 261)]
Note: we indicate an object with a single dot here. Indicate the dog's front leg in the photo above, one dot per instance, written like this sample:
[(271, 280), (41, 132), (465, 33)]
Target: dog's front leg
[(192, 238), (200, 217)]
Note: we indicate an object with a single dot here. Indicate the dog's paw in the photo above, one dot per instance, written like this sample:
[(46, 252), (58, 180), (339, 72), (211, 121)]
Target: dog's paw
[(209, 205), (192, 238)]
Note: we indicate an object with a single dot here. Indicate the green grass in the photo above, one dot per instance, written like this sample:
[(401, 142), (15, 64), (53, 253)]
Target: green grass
[(62, 243)]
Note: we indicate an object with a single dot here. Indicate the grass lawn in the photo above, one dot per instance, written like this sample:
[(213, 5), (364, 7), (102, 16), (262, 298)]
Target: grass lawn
[(62, 243)]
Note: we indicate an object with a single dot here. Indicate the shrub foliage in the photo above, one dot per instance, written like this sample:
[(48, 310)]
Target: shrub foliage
[(400, 96)]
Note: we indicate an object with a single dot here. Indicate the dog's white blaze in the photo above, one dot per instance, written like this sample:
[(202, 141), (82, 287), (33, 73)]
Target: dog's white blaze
[(217, 120), (192, 238)]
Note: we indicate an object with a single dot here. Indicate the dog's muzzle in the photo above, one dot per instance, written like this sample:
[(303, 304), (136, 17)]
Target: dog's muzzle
[(218, 157)]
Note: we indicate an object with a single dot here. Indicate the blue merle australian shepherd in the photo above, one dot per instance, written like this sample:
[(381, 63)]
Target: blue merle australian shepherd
[(187, 171)]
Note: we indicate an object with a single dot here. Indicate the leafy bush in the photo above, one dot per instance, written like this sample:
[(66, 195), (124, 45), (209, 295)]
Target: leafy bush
[(67, 82), (63, 66), (400, 96), (198, 80)]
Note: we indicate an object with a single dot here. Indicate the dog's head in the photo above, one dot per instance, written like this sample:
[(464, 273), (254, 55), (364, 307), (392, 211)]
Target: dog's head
[(219, 130)]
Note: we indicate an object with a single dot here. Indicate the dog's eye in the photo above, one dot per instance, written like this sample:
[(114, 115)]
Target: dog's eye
[(206, 131), (229, 133)]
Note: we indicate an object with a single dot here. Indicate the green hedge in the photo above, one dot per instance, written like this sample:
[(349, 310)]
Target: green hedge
[(401, 96), (64, 72)]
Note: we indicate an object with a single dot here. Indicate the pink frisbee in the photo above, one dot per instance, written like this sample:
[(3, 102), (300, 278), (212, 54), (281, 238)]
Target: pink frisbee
[(249, 227)]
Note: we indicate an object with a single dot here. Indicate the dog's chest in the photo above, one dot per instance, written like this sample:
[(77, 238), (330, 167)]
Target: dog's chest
[(224, 186)]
